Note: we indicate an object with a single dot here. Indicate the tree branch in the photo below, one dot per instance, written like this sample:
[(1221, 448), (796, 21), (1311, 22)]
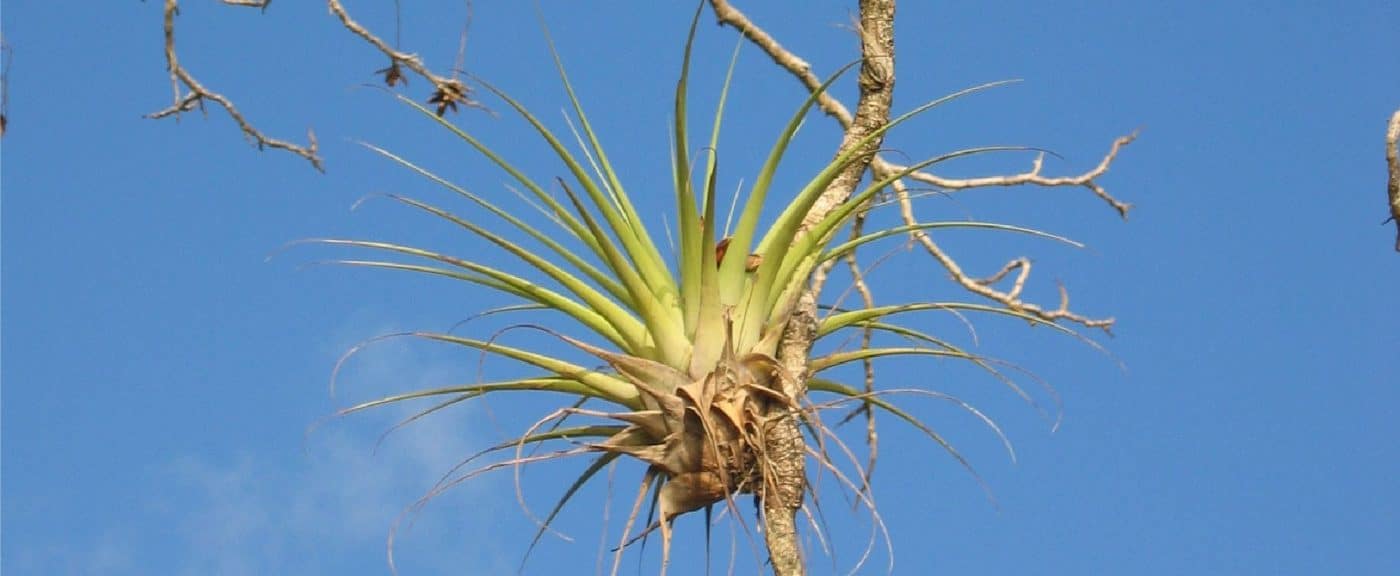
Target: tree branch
[(1392, 160), (728, 15), (802, 71), (448, 91), (784, 445), (785, 476), (198, 94), (876, 87), (1033, 176)]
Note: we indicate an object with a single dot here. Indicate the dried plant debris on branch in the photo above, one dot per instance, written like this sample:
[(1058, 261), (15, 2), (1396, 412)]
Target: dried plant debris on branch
[(699, 380), (449, 92)]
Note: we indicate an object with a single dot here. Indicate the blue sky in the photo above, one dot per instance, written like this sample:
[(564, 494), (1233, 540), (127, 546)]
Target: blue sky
[(159, 372)]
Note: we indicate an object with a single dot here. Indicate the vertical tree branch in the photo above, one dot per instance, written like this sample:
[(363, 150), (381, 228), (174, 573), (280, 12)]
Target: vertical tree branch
[(785, 476), (1392, 160), (802, 71), (784, 446), (873, 107)]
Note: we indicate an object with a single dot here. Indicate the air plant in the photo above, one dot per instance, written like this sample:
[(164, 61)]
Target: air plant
[(691, 379)]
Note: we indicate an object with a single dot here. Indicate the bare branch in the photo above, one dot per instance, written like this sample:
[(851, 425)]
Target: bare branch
[(728, 15), (867, 298), (188, 93), (1033, 176), (448, 92), (198, 94), (983, 287), (800, 69), (876, 87), (1392, 160)]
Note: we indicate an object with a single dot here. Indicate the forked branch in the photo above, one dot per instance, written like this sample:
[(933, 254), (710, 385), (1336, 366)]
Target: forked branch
[(730, 16), (448, 91), (194, 94), (1034, 177)]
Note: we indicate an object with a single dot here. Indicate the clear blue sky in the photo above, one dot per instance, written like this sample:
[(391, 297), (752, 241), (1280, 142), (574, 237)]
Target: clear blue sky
[(159, 373)]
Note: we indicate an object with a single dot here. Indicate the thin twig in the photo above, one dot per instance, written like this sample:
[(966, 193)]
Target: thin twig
[(1033, 176), (448, 91), (983, 287), (198, 94), (188, 93), (799, 68), (867, 298)]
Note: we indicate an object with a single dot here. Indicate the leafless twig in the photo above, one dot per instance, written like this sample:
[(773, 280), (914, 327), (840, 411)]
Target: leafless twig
[(1033, 176), (250, 3), (448, 91), (730, 16), (867, 298), (197, 94)]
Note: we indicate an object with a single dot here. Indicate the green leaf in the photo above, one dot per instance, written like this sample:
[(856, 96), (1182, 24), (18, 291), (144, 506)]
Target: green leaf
[(607, 282), (711, 333), (558, 209), (840, 320), (606, 386), (980, 361), (670, 341), (844, 248), (823, 385), (800, 261), (646, 256), (551, 384), (732, 269), (835, 359), (776, 243), (620, 318), (691, 266), (518, 286), (780, 235)]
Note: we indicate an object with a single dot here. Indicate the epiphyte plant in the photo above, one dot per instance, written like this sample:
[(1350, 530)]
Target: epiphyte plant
[(692, 384)]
